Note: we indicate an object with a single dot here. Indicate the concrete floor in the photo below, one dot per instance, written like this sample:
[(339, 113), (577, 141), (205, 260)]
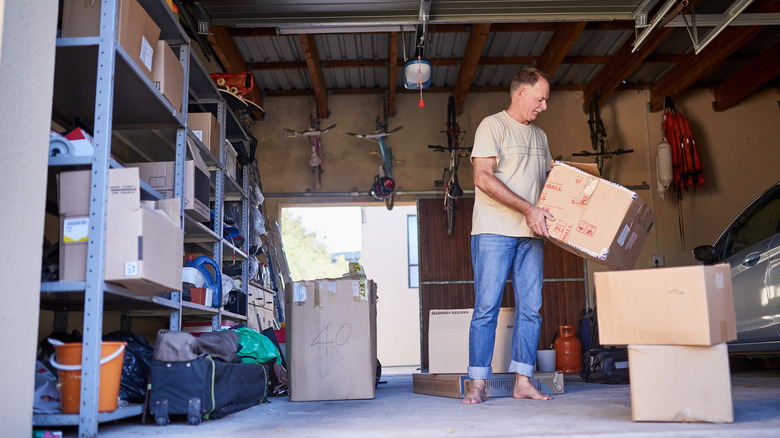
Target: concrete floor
[(584, 409)]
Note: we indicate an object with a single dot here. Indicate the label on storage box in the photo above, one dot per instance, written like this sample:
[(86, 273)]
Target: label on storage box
[(75, 230), (623, 234), (299, 293), (131, 269), (147, 53), (198, 133), (359, 289)]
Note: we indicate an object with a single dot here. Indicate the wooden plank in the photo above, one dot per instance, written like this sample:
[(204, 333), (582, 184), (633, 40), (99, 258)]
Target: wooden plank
[(469, 62), (315, 72), (564, 37), (759, 71)]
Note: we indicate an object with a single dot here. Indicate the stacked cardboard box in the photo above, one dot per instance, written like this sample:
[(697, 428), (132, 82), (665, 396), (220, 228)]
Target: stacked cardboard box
[(144, 239), (448, 358), (675, 322), (331, 338)]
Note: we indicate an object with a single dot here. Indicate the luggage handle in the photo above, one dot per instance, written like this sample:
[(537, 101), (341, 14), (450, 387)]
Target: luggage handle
[(103, 361)]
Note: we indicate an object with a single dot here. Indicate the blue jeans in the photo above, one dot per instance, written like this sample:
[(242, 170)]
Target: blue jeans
[(494, 258)]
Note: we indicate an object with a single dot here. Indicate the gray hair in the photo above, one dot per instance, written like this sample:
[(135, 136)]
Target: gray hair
[(527, 76)]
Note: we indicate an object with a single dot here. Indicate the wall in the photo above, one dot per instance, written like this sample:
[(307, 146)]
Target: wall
[(27, 43), (384, 255), (738, 148)]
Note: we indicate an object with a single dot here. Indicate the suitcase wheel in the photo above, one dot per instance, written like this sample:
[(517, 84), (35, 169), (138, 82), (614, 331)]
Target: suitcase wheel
[(161, 412), (193, 411)]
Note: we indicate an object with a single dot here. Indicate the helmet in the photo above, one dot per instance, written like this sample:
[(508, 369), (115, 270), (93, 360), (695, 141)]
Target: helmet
[(382, 187)]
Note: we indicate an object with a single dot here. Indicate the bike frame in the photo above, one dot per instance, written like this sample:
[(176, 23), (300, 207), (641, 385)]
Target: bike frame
[(313, 133)]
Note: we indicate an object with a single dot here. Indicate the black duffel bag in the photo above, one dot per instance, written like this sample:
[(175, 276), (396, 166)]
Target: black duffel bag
[(605, 365)]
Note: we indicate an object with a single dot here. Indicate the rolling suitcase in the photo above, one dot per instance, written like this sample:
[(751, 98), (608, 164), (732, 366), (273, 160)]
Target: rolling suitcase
[(204, 388)]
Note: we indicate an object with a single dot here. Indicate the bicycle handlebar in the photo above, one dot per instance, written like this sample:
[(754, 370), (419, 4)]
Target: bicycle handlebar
[(438, 148)]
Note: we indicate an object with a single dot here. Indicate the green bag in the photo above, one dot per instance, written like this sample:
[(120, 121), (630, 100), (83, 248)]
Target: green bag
[(256, 347)]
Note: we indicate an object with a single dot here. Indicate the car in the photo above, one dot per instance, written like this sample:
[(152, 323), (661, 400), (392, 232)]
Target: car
[(751, 246)]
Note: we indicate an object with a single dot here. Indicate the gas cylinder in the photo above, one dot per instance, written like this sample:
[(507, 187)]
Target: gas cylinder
[(568, 358)]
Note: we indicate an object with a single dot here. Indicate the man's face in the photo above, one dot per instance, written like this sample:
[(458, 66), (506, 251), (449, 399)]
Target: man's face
[(533, 100)]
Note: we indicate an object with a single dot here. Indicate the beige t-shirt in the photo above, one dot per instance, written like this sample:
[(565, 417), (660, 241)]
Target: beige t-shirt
[(523, 160)]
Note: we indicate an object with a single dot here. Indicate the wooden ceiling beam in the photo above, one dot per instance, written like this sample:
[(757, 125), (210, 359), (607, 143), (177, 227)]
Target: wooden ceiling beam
[(225, 49), (621, 65), (469, 62), (315, 73), (564, 37), (759, 71), (695, 67), (392, 73)]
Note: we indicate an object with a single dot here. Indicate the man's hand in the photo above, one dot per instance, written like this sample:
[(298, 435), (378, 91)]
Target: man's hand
[(536, 220)]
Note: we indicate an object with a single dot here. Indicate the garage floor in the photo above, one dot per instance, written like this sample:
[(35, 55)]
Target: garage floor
[(584, 409)]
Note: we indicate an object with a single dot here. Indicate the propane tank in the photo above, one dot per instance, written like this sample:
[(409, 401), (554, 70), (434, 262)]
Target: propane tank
[(568, 358)]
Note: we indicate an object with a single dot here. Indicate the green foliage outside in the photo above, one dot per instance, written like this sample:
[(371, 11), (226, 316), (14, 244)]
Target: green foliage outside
[(307, 255)]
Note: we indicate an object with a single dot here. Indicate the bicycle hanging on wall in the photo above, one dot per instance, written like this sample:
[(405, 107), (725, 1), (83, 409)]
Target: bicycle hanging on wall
[(598, 138), (313, 133), (383, 188), (449, 181)]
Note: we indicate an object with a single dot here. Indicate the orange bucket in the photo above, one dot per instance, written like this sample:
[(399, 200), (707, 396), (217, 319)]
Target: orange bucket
[(68, 366)]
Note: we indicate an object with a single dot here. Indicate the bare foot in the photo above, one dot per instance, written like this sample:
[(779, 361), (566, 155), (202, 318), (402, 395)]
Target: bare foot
[(477, 394), (524, 389)]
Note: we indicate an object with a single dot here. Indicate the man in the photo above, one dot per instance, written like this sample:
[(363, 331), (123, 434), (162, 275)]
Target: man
[(511, 160)]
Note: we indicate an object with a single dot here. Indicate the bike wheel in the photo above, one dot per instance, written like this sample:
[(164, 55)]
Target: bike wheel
[(450, 204), (452, 135), (390, 201)]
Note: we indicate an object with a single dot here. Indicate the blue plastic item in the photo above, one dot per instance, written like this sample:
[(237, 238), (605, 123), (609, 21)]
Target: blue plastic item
[(213, 280)]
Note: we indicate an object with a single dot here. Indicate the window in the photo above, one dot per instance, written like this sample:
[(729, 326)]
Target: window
[(758, 222), (411, 239)]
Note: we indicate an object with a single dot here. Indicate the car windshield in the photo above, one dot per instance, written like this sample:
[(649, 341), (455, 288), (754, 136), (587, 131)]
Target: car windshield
[(759, 221)]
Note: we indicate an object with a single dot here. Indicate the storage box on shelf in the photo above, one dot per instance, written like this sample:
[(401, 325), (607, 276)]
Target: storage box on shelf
[(136, 32), (206, 127), (161, 176), (143, 241), (167, 74)]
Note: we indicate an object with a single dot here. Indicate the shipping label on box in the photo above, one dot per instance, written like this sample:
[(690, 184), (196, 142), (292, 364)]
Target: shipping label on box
[(448, 340), (595, 218), (680, 383), (690, 305)]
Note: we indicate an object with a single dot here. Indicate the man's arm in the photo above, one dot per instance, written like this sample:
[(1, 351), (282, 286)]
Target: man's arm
[(486, 180)]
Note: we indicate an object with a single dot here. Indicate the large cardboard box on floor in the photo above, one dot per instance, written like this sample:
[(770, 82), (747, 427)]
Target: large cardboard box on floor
[(331, 338), (690, 305), (168, 74), (680, 383), (136, 32), (161, 176), (498, 385), (448, 341), (206, 127), (595, 218), (144, 239)]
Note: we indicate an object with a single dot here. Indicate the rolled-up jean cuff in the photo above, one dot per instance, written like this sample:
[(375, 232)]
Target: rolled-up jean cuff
[(520, 368), (482, 373)]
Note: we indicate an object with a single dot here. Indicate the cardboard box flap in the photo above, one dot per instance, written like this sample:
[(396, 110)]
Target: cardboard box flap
[(169, 208), (194, 153), (591, 168)]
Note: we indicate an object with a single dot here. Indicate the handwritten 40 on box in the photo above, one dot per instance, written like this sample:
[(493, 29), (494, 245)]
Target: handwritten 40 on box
[(331, 338), (595, 218)]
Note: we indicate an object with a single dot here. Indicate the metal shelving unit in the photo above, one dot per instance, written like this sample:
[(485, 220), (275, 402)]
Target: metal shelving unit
[(102, 84)]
